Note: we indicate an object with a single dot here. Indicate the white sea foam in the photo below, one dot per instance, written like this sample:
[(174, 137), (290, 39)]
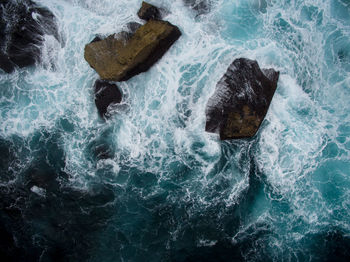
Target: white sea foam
[(38, 190), (162, 123)]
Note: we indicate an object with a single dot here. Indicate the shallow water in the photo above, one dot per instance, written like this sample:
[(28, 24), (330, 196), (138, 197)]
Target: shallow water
[(150, 183)]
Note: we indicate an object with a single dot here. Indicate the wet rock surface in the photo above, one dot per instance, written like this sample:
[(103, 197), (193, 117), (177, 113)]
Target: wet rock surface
[(148, 12), (106, 94), (23, 25), (200, 6), (118, 58), (133, 26), (241, 100)]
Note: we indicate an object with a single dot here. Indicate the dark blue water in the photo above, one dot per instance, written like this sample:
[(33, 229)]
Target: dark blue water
[(150, 184)]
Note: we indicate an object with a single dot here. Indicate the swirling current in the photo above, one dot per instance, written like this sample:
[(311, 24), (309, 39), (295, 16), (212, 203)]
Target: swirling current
[(149, 184)]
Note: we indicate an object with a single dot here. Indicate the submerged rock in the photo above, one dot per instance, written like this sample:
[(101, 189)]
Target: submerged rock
[(148, 12), (133, 26), (5, 63), (105, 95), (23, 25), (130, 31), (200, 6), (120, 59), (241, 100), (124, 35)]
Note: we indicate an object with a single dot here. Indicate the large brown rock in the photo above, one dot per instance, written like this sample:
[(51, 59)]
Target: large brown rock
[(241, 100), (118, 59)]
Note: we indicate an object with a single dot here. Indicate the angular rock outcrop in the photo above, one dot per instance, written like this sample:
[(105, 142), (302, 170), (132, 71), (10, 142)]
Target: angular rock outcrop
[(241, 100), (119, 59), (23, 25), (124, 35), (105, 95), (133, 26), (148, 12), (96, 39), (130, 30)]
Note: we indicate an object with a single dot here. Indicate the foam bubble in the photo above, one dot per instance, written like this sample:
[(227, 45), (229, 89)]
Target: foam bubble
[(158, 131), (38, 190)]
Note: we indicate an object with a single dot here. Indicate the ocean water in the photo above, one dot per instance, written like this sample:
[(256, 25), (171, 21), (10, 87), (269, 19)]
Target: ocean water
[(150, 184)]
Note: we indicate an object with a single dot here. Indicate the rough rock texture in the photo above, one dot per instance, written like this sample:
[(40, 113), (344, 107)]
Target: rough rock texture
[(119, 59), (123, 35), (130, 31), (22, 27), (133, 26), (200, 6), (241, 100), (105, 95), (96, 39), (148, 12)]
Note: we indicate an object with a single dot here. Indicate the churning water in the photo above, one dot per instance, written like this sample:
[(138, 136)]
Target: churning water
[(150, 184)]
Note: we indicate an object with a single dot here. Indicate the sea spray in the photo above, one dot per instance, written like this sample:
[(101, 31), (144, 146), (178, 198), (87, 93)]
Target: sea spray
[(150, 182)]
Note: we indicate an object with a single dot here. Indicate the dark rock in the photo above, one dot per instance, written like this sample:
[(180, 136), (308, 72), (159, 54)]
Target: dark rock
[(105, 95), (118, 59), (241, 100), (148, 12), (130, 31), (200, 6), (5, 63), (102, 151), (42, 176), (96, 39), (133, 26), (47, 169), (100, 147), (123, 35), (23, 25)]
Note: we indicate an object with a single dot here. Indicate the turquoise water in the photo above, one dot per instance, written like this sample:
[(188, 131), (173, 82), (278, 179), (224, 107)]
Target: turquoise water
[(150, 184)]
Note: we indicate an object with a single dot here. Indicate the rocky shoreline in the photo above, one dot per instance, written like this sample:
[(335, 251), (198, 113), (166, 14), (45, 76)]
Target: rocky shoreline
[(122, 55), (236, 109), (239, 103)]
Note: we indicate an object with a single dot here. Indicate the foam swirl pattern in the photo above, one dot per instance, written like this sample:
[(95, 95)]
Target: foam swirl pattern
[(150, 182)]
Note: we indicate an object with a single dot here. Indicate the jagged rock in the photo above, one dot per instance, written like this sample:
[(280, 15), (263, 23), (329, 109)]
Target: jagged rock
[(119, 59), (200, 6), (148, 12), (133, 26), (22, 27), (96, 39), (130, 31), (100, 147), (105, 95), (241, 100), (123, 35)]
